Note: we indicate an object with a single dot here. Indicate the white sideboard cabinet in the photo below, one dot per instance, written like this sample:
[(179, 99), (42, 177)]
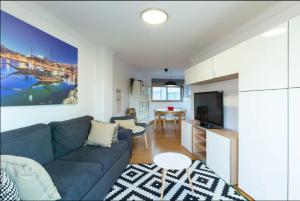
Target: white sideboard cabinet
[(222, 154), (186, 135), (218, 147)]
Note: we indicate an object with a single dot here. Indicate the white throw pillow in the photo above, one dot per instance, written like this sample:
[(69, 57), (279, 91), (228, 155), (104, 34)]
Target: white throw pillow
[(128, 124), (32, 180), (101, 133)]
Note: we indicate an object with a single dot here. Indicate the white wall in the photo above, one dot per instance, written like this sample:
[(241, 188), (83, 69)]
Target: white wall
[(230, 100), (103, 82), (122, 74), (94, 81)]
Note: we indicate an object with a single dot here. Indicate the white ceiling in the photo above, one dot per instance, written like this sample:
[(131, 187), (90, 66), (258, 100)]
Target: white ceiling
[(191, 27)]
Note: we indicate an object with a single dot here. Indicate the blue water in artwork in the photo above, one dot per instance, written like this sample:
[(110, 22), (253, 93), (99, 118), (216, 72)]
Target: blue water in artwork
[(22, 89)]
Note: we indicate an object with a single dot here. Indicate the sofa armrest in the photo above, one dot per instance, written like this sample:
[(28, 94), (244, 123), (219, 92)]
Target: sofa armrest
[(141, 124), (125, 134)]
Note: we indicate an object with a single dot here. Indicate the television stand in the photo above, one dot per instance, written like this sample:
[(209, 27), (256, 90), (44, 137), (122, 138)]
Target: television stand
[(217, 147), (209, 126)]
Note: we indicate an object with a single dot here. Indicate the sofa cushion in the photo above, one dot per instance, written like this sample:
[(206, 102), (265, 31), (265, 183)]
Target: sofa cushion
[(74, 179), (69, 135), (104, 185), (106, 156), (32, 142), (126, 135), (101, 133)]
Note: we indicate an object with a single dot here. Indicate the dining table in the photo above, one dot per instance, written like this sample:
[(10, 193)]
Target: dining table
[(177, 112)]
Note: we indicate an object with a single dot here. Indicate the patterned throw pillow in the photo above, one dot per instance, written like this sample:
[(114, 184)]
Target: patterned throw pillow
[(8, 188), (115, 136)]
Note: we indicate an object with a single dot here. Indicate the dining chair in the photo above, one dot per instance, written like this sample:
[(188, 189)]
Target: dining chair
[(172, 117), (183, 117), (159, 117), (155, 119)]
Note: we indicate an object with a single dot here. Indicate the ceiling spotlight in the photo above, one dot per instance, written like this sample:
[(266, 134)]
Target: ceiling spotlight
[(154, 16)]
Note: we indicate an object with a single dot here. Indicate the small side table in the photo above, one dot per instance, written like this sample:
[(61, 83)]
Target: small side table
[(172, 161)]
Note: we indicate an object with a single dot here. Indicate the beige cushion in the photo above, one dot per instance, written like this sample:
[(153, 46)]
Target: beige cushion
[(129, 123), (115, 135), (101, 133), (32, 180), (137, 129)]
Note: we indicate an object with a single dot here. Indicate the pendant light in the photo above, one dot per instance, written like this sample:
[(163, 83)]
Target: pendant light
[(170, 83)]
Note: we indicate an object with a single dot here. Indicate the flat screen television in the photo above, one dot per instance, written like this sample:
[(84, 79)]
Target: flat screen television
[(208, 109)]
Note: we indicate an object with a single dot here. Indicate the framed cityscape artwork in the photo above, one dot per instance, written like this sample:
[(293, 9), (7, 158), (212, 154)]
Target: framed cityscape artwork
[(36, 68)]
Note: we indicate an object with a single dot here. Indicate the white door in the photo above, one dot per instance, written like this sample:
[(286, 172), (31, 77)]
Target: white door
[(294, 53), (227, 62), (294, 144), (186, 135), (218, 155), (263, 136), (263, 61)]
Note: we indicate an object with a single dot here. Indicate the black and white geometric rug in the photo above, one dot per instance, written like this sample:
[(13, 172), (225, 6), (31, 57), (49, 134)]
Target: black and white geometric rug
[(143, 182)]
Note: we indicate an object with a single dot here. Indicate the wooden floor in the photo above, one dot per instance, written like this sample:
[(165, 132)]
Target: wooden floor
[(158, 141)]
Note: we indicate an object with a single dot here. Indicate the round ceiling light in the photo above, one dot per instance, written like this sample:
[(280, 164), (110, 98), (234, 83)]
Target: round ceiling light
[(154, 16)]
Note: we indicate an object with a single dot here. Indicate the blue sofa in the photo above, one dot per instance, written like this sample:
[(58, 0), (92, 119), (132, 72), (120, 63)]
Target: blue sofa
[(79, 172)]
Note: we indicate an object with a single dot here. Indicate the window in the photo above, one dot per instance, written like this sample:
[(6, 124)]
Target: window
[(166, 93), (160, 92), (174, 93)]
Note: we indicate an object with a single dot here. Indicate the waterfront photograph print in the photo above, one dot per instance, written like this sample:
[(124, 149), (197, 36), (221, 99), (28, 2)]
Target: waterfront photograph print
[(36, 68)]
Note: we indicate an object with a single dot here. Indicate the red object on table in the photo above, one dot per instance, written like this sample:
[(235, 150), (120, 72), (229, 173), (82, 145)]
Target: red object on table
[(170, 108)]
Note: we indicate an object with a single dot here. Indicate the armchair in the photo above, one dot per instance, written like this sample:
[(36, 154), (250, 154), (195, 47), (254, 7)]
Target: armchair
[(134, 135)]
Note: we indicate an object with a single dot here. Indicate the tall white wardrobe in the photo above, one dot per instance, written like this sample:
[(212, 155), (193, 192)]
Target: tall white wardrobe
[(269, 114)]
